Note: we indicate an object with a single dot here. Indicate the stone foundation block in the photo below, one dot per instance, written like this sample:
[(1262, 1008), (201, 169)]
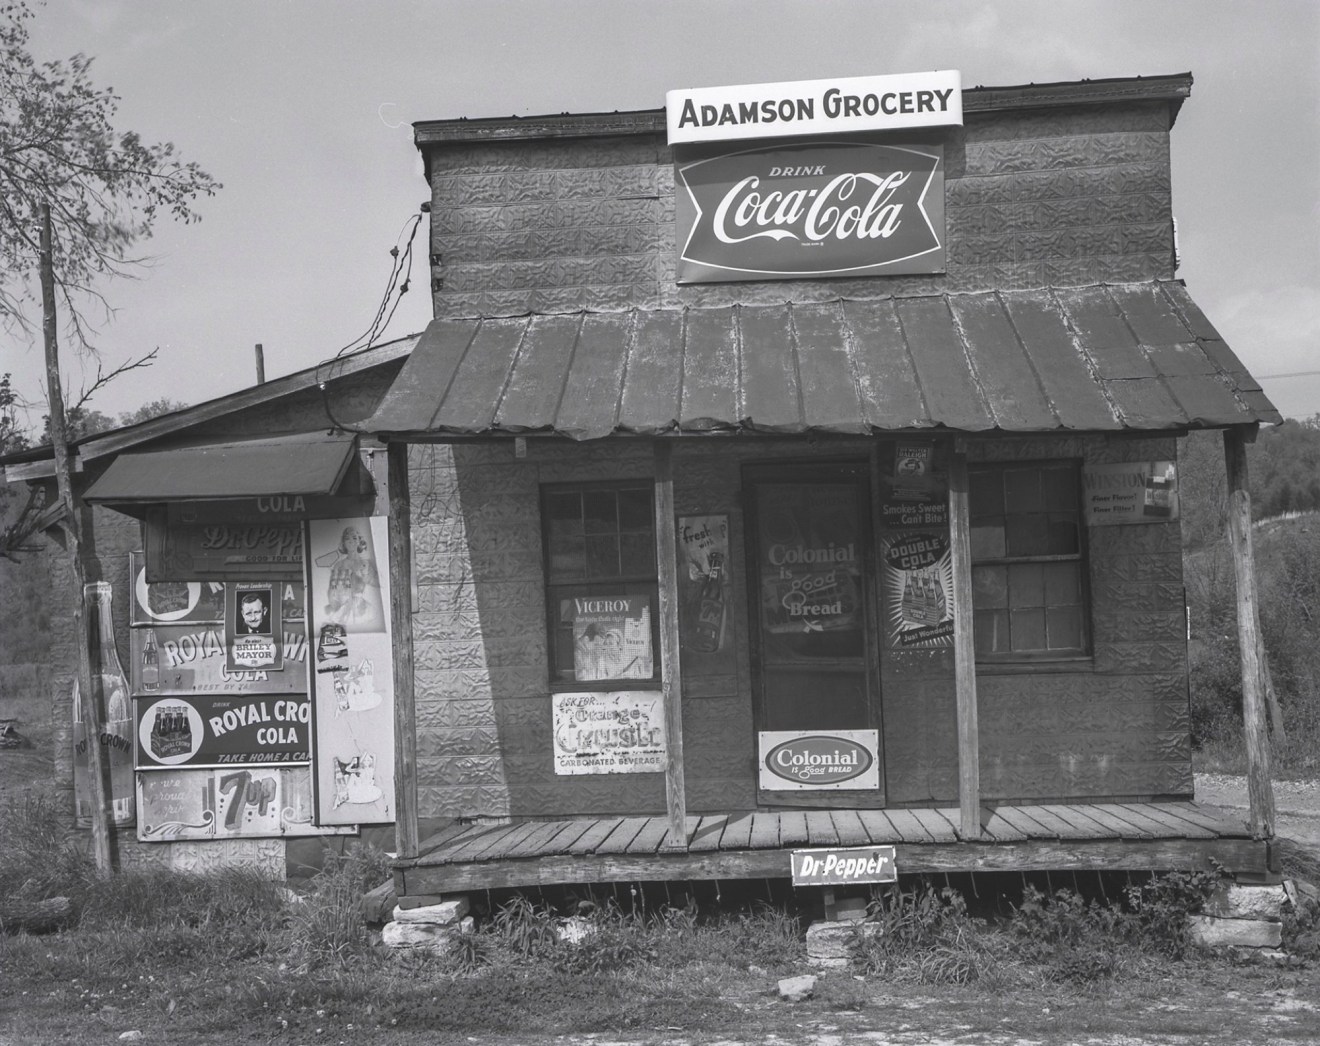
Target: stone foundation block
[(831, 944), (419, 937), (446, 913), (1231, 901), (1212, 932)]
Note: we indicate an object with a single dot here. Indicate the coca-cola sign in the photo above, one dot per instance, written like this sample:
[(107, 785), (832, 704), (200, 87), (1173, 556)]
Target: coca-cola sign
[(820, 209)]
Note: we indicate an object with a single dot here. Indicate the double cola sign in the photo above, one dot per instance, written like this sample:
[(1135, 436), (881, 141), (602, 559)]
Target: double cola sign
[(819, 209)]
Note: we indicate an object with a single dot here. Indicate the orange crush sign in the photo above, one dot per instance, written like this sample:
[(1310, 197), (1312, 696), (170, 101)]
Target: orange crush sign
[(839, 867)]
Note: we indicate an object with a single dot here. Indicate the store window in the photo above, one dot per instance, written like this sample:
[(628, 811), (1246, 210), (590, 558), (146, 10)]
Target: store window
[(601, 588), (1028, 562)]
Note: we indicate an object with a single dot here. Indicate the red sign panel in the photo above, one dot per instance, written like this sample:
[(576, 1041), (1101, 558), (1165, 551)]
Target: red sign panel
[(818, 209)]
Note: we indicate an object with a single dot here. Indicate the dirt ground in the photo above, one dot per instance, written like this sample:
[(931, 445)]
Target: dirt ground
[(1296, 803)]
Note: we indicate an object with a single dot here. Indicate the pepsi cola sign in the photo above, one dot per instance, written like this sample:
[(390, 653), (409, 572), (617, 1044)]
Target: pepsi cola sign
[(801, 210)]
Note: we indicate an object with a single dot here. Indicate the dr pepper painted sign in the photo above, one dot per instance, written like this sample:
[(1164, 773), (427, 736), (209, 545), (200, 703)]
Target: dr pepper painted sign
[(802, 209)]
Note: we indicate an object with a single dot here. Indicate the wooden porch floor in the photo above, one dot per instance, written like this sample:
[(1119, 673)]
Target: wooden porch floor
[(1092, 836)]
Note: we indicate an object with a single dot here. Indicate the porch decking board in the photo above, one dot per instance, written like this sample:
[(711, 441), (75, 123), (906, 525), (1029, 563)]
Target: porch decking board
[(849, 828), (1209, 817), (1060, 826), (448, 832), (820, 828), (535, 841), (1019, 820), (793, 828), (624, 833), (1079, 818), (993, 822), (1175, 823), (908, 827), (468, 847), (1142, 827), (737, 833), (707, 837), (1101, 814), (596, 833), (765, 831), (650, 838), (939, 829), (878, 827)]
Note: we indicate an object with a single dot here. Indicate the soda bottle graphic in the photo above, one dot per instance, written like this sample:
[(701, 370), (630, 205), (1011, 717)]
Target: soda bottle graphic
[(150, 662), (110, 686), (710, 608)]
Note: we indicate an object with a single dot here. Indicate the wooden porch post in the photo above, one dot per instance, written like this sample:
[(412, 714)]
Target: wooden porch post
[(964, 648), (1260, 788), (666, 548), (405, 720)]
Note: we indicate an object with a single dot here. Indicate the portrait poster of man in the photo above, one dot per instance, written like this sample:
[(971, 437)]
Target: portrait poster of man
[(253, 627)]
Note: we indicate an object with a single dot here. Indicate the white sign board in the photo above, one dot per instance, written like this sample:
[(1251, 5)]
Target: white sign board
[(813, 107), (819, 760), (1133, 492), (622, 732)]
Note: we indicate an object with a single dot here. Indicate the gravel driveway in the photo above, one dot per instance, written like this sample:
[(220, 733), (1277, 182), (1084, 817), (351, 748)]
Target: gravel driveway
[(1296, 803)]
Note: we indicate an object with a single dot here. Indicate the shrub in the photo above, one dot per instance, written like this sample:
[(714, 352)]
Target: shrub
[(40, 857), (922, 934), (326, 924)]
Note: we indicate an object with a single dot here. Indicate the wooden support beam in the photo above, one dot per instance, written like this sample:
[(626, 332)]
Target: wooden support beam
[(666, 550), (405, 717), (1260, 787), (964, 650)]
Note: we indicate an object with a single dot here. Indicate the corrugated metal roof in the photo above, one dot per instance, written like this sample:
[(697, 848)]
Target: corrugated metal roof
[(1101, 358)]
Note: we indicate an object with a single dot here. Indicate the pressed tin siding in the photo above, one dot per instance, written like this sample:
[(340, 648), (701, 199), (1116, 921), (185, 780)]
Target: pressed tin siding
[(1114, 727), (1033, 198)]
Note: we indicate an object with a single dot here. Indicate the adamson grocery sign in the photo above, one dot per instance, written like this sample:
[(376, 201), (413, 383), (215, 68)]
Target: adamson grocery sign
[(793, 210)]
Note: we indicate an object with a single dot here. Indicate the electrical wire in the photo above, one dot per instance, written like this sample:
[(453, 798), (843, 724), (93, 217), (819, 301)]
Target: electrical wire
[(396, 287)]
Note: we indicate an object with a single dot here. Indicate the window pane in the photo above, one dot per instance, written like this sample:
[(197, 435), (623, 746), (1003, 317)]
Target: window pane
[(1026, 585), (1027, 535), (989, 587), (635, 510), (1059, 489), (991, 630), (1065, 628), (1063, 584), (1061, 537), (568, 558), (563, 514), (602, 556), (988, 538), (1028, 629), (638, 554), (985, 493), (1022, 490), (600, 512)]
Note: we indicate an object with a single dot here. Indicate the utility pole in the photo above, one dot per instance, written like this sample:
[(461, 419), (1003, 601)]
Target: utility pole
[(92, 717)]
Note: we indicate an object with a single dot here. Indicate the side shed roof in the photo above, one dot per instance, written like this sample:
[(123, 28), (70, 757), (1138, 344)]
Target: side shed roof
[(1138, 357)]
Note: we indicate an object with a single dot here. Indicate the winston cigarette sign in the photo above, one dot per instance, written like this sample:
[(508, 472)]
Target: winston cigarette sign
[(809, 209)]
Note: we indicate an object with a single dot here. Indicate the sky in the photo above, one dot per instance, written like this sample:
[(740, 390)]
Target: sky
[(303, 110)]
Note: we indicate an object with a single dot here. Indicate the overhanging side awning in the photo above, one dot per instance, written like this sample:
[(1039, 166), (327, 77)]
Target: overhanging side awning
[(315, 464)]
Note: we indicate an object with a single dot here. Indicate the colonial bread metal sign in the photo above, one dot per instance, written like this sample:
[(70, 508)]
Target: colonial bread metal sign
[(823, 760)]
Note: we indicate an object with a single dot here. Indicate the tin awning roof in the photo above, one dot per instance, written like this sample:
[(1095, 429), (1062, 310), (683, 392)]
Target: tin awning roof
[(1138, 357), (307, 464)]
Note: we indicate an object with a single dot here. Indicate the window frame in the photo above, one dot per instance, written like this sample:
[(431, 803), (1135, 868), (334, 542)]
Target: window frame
[(1063, 656), (558, 586)]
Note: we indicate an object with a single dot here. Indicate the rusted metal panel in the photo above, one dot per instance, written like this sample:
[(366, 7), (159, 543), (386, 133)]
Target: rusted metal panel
[(1003, 371), (654, 375), (941, 363), (1103, 334), (770, 397), (1131, 356), (537, 382), (1059, 362), (591, 388), (891, 396), (480, 378), (710, 371), (418, 393), (830, 399)]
